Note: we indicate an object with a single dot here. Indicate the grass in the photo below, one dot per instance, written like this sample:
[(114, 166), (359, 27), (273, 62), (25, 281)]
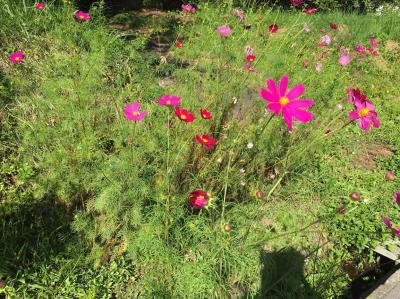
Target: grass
[(97, 205)]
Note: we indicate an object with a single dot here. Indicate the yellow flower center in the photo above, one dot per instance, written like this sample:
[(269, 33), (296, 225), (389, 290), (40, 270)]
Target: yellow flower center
[(168, 102), (81, 17), (17, 58), (205, 139), (183, 116), (135, 113), (283, 101), (200, 197), (364, 112)]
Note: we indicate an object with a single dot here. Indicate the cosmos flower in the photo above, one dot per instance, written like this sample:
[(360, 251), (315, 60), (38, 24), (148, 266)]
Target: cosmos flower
[(167, 100), (396, 197), (389, 224), (365, 113), (310, 11), (238, 13), (273, 28), (82, 16), (16, 57), (373, 51), (373, 43), (205, 113), (318, 67), (360, 49), (344, 60), (184, 115), (179, 44), (40, 5), (198, 199), (132, 112), (286, 103), (333, 26), (306, 63), (250, 68), (250, 58), (297, 2), (224, 30), (188, 7), (249, 50), (356, 96), (326, 40), (206, 140)]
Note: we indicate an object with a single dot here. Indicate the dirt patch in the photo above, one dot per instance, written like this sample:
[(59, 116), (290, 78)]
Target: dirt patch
[(392, 46), (367, 157)]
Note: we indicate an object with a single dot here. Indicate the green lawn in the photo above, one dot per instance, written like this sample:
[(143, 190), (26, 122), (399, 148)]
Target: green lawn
[(94, 205)]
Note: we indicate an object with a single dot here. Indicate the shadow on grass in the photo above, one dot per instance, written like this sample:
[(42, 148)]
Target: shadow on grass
[(282, 276), (31, 233)]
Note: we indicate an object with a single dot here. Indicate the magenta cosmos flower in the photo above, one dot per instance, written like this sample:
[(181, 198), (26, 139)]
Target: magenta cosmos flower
[(167, 100), (250, 68), (344, 60), (365, 113), (132, 112), (16, 57), (287, 103), (198, 199), (396, 197), (389, 225), (40, 5), (224, 30), (374, 43), (360, 49), (297, 2), (188, 7), (82, 16)]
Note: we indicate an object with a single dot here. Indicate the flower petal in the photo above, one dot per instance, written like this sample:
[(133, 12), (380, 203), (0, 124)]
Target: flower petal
[(272, 88), (353, 115), (295, 92), (275, 108), (283, 85), (268, 96), (301, 103), (301, 115), (287, 117)]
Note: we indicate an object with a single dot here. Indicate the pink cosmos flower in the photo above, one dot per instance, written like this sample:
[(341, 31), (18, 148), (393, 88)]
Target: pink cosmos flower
[(184, 115), (365, 113), (389, 224), (238, 13), (188, 7), (250, 68), (306, 63), (306, 29), (198, 199), (396, 197), (287, 103), (82, 16), (132, 112), (344, 60), (224, 30), (318, 67), (356, 96), (40, 5), (373, 51), (297, 2), (373, 42), (310, 11), (326, 40), (360, 48), (16, 57), (169, 101)]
